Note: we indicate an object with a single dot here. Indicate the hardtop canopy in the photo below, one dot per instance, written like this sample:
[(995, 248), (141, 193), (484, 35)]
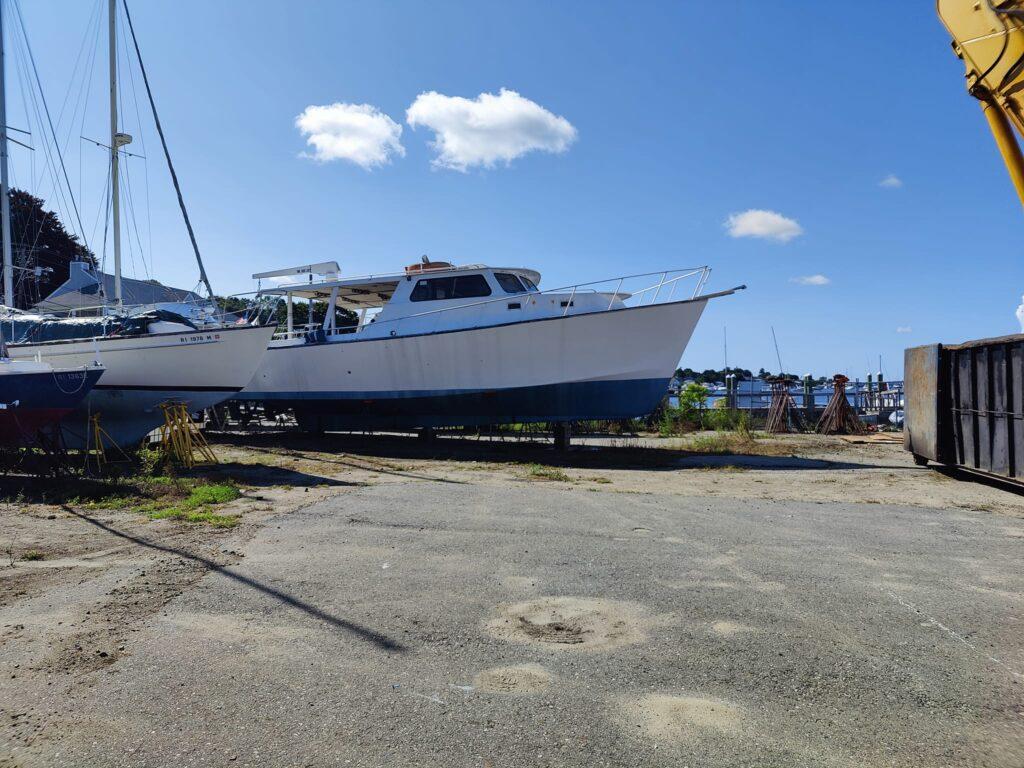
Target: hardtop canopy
[(367, 291)]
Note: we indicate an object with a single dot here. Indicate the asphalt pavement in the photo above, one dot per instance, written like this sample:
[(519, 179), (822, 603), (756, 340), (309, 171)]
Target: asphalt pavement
[(442, 623)]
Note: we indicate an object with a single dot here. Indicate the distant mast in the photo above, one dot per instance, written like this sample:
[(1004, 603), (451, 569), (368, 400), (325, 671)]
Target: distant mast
[(117, 140), (5, 203)]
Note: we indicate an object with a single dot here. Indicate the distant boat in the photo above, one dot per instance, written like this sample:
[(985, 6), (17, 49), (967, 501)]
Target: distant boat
[(474, 345)]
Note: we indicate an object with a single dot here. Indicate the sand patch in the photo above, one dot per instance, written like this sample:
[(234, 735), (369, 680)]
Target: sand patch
[(526, 584), (769, 586), (665, 717), (720, 561), (521, 678), (571, 623), (698, 584), (729, 628)]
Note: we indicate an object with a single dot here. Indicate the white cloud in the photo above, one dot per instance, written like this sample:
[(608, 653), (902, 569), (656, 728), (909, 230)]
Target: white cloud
[(810, 280), (766, 224), (903, 329), (358, 133), (892, 181), (488, 129)]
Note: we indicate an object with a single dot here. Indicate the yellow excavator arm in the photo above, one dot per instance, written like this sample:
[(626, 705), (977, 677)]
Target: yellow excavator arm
[(988, 36)]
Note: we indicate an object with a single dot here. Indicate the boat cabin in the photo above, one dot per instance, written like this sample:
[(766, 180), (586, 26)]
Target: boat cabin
[(423, 298)]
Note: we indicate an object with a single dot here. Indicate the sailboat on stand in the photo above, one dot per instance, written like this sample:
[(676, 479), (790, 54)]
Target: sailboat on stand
[(151, 355)]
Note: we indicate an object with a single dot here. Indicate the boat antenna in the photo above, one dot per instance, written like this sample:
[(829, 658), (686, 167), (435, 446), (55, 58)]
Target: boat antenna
[(167, 154), (5, 203), (777, 355)]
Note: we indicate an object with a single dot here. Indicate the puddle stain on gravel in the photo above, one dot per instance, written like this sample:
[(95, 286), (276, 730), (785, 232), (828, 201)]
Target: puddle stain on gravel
[(521, 678), (572, 623), (666, 717), (729, 628)]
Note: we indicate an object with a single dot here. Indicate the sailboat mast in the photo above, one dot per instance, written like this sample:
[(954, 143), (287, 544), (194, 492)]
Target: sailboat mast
[(115, 195), (5, 200)]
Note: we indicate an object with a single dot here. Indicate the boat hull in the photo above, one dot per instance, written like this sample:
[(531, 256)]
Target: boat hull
[(199, 368), (603, 365), (34, 402)]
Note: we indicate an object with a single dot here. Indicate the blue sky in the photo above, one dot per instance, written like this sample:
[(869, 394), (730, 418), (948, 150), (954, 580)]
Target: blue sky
[(684, 113)]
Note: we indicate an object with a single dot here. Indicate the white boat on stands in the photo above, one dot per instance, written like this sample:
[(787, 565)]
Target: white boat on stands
[(472, 345), (150, 359)]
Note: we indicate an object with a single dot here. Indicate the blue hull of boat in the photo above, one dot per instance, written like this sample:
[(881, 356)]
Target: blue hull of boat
[(574, 401), (35, 401)]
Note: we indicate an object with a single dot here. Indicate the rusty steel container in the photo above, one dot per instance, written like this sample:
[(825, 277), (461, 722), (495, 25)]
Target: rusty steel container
[(964, 405)]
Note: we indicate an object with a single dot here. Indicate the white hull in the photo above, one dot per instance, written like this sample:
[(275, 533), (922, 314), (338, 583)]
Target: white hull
[(598, 365), (200, 368)]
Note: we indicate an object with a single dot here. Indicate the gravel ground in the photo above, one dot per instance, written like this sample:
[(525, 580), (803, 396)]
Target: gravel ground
[(439, 612)]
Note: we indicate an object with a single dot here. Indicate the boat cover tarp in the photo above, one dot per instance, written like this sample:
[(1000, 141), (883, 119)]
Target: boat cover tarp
[(33, 329)]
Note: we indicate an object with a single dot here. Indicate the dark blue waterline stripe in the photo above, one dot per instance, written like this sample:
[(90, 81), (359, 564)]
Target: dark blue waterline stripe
[(572, 401), (165, 388)]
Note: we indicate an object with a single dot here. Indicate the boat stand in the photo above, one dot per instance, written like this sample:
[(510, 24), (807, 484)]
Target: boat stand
[(563, 435)]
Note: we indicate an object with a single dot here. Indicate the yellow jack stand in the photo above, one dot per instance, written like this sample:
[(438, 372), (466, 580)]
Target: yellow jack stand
[(97, 444), (181, 440)]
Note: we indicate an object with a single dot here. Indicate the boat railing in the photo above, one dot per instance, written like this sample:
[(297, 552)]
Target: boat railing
[(662, 289)]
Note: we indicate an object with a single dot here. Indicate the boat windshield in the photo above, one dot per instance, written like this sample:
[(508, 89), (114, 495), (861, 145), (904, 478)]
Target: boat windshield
[(509, 282)]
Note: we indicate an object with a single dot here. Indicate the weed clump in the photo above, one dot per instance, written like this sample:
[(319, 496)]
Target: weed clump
[(196, 506), (540, 472)]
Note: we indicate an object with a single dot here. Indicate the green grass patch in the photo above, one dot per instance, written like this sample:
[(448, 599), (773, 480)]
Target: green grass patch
[(33, 554), (196, 506), (540, 472), (202, 495), (735, 443)]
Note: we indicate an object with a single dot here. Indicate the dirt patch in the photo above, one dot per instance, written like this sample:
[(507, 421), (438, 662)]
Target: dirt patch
[(665, 717), (729, 628), (99, 635), (521, 678), (572, 623)]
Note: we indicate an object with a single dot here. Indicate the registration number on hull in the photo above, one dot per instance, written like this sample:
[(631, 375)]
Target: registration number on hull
[(203, 338)]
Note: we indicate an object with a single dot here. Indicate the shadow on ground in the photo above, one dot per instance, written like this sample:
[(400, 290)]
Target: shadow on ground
[(389, 446), (264, 476), (382, 641)]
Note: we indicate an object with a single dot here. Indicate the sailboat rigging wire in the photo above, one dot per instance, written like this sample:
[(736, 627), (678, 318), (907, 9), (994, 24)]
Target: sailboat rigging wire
[(73, 79), (84, 98), (24, 79), (777, 355), (103, 210), (167, 154), (49, 120), (147, 267), (135, 225)]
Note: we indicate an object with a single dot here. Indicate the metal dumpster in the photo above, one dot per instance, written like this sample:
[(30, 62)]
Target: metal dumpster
[(964, 405)]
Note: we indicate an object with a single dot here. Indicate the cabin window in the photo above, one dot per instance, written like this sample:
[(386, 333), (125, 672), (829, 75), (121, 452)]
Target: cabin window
[(457, 287), (528, 283), (509, 282)]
